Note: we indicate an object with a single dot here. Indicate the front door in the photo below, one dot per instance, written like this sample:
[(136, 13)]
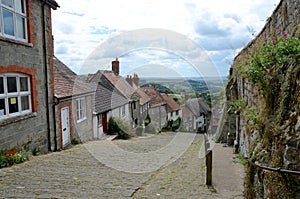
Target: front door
[(104, 122), (65, 126)]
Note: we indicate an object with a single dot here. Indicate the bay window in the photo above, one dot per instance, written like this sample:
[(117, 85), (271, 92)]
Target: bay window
[(13, 19), (15, 95)]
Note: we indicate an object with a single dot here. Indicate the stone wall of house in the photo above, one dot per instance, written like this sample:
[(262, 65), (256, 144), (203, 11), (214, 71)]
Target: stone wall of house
[(84, 130), (29, 131), (265, 128)]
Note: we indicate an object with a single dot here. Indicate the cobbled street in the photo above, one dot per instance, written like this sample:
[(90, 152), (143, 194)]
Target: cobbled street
[(166, 165)]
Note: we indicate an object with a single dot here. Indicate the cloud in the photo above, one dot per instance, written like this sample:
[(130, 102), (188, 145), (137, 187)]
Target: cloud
[(216, 26)]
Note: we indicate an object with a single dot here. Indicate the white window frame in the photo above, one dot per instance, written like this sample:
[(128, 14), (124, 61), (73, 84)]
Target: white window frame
[(81, 109), (15, 13), (99, 120), (17, 95)]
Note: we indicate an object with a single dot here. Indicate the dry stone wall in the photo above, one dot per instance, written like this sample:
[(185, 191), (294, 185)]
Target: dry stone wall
[(262, 111)]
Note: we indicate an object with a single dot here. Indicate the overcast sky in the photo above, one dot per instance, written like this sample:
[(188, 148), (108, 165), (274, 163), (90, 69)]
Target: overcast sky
[(149, 35)]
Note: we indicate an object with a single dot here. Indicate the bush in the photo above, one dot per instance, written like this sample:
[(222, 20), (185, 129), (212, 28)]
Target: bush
[(11, 157), (119, 127), (176, 124), (147, 120)]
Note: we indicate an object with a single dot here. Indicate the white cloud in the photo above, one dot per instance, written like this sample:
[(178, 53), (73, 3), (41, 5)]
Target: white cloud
[(217, 26)]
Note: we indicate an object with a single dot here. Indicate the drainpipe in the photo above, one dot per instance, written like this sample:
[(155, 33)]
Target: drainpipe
[(46, 76), (56, 102)]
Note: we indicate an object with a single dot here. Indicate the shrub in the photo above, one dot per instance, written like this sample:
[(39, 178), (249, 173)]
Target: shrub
[(147, 120), (119, 127), (176, 124), (11, 157)]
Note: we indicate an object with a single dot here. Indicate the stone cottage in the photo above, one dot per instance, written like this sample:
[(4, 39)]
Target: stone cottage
[(74, 106), (26, 74), (196, 115)]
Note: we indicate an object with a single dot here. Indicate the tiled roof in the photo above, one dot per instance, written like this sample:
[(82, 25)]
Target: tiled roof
[(67, 83), (144, 98), (198, 106), (155, 97), (171, 104), (186, 112), (108, 99), (119, 82)]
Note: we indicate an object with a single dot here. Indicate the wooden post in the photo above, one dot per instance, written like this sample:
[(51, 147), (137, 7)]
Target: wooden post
[(209, 167)]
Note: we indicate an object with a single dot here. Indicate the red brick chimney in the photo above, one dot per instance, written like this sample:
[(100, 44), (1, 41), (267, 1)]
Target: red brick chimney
[(129, 79), (116, 66), (136, 80)]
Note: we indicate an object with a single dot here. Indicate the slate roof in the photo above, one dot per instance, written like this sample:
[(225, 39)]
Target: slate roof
[(107, 99), (155, 97), (171, 104), (52, 3), (198, 106), (67, 83)]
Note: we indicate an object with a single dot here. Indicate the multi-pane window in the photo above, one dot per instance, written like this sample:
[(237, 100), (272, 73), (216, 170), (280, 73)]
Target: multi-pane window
[(15, 95), (80, 109), (13, 20)]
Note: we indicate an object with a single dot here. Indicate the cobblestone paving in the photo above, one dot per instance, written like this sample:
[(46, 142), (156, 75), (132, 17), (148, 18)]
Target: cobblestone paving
[(113, 169), (184, 178)]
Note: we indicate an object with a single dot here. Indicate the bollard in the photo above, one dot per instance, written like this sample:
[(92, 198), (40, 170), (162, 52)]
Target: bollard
[(209, 167)]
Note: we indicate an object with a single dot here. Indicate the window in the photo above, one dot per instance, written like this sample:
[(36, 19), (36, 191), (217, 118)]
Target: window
[(123, 110), (13, 20), (15, 95), (99, 119), (177, 112), (80, 109)]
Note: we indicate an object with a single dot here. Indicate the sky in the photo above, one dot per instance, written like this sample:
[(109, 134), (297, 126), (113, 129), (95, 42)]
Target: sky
[(156, 38)]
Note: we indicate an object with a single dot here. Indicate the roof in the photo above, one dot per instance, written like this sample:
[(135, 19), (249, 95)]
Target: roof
[(171, 103), (144, 98), (186, 112), (119, 82), (198, 106), (52, 3), (155, 97), (67, 83), (106, 99)]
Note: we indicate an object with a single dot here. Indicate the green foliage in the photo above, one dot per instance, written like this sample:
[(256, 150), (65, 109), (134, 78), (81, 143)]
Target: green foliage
[(147, 120), (241, 159), (281, 52), (237, 105), (75, 141), (123, 129), (13, 156)]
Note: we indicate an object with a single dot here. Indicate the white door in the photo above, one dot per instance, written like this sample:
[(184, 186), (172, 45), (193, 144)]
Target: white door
[(65, 125)]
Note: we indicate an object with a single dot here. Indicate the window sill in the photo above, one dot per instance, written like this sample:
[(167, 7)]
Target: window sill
[(16, 41), (16, 119), (81, 120)]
